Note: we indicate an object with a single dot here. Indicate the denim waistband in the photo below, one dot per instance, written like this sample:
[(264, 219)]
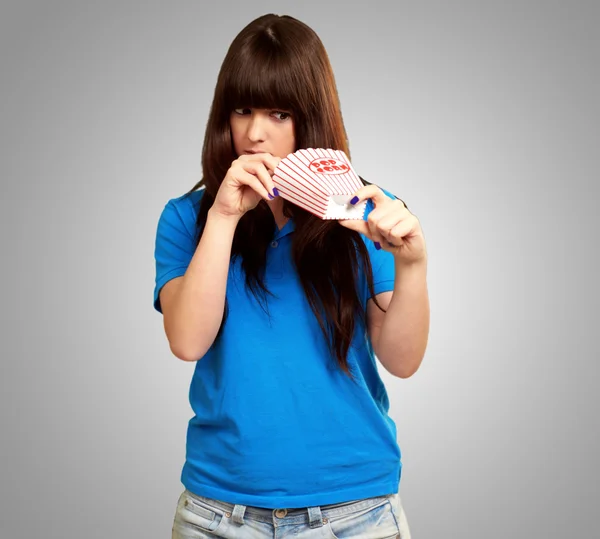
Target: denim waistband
[(293, 515)]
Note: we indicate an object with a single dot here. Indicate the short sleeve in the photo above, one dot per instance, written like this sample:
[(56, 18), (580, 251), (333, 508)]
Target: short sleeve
[(384, 269), (174, 247)]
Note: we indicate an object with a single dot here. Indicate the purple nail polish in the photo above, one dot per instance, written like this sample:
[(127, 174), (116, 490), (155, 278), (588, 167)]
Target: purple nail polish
[(354, 200), (271, 196), (377, 245), (275, 191)]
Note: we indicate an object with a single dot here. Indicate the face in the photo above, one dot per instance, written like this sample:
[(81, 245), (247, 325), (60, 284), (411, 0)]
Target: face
[(262, 130)]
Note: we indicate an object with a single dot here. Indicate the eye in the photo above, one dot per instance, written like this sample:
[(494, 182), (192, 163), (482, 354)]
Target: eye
[(282, 115), (242, 111)]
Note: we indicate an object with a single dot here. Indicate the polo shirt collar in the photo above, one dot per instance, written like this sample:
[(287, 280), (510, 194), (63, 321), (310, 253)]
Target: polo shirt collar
[(287, 229)]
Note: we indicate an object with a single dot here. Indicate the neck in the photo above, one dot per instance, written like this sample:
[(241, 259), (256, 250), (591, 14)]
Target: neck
[(276, 206)]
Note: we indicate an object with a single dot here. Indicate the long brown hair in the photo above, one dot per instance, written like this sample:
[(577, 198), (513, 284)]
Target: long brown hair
[(278, 62)]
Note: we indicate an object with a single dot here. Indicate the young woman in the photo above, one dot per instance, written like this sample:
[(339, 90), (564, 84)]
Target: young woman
[(285, 314)]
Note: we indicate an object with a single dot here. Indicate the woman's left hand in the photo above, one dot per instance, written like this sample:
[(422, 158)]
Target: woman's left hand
[(390, 225)]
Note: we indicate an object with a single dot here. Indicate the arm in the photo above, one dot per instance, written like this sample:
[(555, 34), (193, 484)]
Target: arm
[(193, 304), (400, 336)]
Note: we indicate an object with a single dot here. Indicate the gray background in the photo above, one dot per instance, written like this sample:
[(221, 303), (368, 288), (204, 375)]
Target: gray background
[(483, 116)]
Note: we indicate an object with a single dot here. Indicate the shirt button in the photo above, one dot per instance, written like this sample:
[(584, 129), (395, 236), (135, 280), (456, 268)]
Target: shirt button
[(274, 244)]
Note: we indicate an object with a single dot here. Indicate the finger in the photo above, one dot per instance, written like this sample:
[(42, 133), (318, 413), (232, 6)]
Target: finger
[(362, 227), (397, 207), (400, 231), (252, 181), (388, 222), (373, 220), (370, 191), (270, 161), (260, 171)]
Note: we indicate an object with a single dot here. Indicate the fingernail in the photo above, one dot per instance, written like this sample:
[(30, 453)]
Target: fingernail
[(354, 200), (275, 191), (377, 245), (271, 196)]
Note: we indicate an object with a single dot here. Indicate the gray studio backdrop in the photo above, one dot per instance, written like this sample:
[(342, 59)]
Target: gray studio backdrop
[(482, 115)]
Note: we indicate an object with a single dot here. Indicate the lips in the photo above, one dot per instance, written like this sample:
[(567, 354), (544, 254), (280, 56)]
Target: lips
[(254, 151)]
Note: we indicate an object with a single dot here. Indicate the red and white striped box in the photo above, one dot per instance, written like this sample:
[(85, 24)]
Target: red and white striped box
[(321, 181)]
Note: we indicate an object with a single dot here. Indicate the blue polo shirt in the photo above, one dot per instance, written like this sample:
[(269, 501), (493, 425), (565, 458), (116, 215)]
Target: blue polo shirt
[(276, 422)]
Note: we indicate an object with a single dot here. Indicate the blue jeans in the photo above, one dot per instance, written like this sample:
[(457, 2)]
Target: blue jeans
[(381, 517)]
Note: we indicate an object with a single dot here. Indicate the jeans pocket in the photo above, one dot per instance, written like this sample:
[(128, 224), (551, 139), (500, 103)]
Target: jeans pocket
[(400, 515), (198, 515), (376, 522)]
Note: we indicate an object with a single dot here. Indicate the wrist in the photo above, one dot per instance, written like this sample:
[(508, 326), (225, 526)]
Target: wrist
[(221, 219), (416, 267)]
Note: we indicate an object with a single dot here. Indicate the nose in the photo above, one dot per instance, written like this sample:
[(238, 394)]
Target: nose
[(256, 127)]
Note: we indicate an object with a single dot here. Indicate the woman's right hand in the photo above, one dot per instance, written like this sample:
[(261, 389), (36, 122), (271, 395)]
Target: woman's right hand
[(247, 181)]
